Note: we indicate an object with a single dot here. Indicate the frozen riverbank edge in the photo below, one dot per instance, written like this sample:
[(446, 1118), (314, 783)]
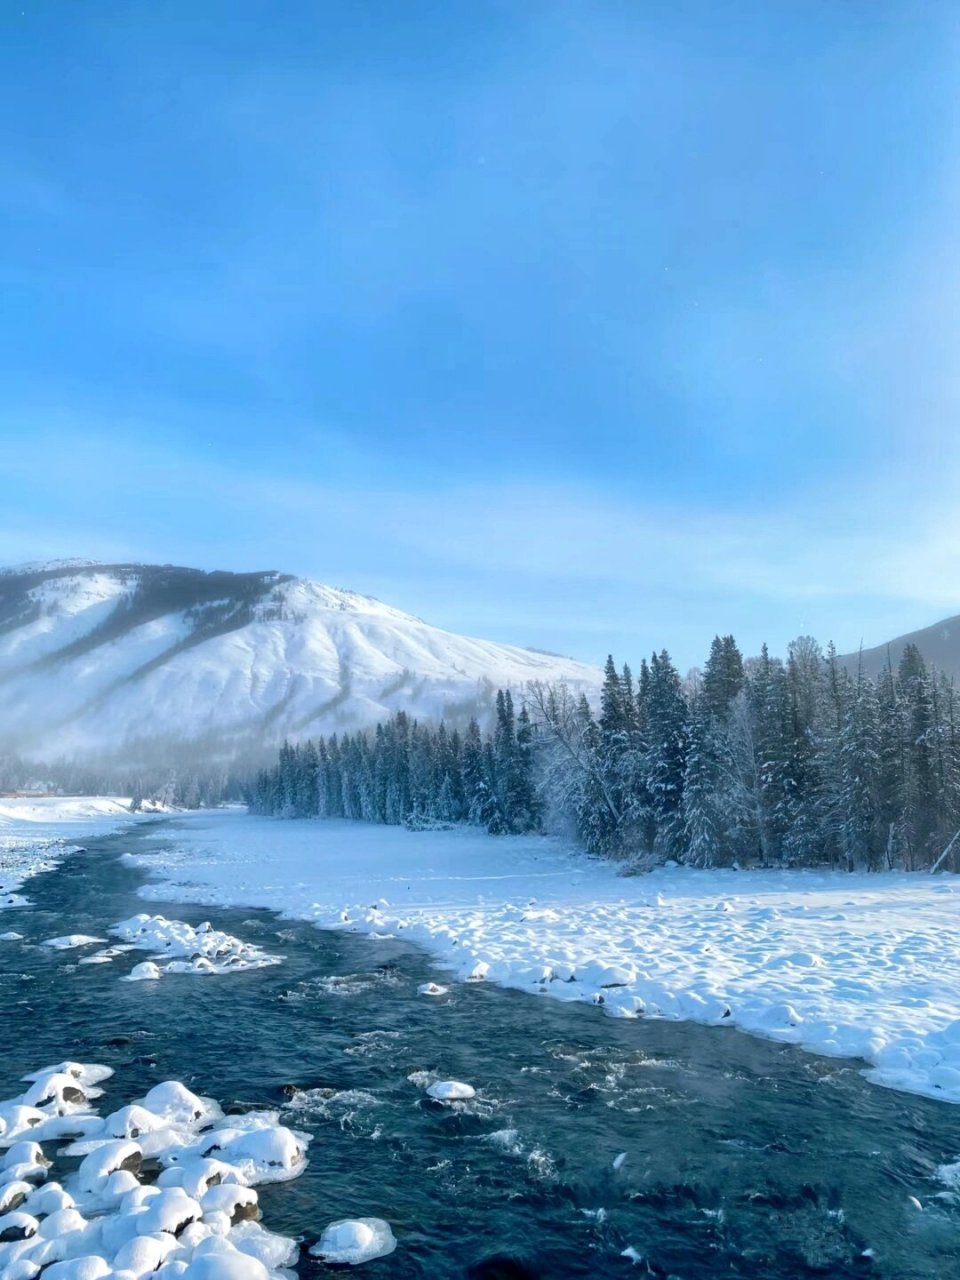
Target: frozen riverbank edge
[(37, 832), (861, 966), (846, 965)]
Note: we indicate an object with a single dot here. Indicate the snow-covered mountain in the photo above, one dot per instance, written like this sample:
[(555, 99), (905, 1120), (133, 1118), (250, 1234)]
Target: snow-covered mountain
[(115, 660)]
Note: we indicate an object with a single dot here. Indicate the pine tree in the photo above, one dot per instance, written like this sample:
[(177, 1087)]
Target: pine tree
[(723, 677), (522, 803), (475, 786), (920, 800), (706, 842), (665, 753), (859, 786), (892, 766), (712, 807), (769, 707), (307, 800)]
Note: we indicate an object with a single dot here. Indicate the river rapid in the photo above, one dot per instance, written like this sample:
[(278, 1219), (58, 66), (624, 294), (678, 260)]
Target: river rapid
[(744, 1158)]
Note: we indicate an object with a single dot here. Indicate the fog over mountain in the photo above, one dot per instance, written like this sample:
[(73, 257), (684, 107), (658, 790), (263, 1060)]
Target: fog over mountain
[(113, 660)]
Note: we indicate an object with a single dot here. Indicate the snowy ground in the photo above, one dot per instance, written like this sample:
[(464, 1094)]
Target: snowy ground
[(852, 965), (96, 814)]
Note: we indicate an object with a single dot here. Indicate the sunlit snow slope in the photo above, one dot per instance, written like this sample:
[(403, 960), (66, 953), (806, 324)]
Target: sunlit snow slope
[(120, 658)]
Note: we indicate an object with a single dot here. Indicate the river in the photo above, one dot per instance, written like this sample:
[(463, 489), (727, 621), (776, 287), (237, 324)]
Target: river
[(744, 1158)]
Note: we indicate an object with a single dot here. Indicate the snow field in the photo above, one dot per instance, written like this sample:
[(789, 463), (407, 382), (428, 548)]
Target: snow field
[(198, 1219), (861, 966)]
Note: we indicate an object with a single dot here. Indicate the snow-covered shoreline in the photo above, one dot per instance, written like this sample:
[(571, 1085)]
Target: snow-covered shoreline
[(861, 966), (36, 832)]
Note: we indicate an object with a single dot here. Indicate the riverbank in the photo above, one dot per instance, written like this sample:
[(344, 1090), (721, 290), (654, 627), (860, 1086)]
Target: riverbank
[(37, 831), (863, 966), (588, 1142)]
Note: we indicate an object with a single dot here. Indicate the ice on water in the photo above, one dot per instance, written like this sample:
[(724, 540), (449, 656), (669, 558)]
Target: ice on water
[(70, 941)]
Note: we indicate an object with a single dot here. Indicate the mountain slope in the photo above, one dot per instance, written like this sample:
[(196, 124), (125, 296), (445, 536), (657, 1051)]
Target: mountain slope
[(126, 658), (939, 644)]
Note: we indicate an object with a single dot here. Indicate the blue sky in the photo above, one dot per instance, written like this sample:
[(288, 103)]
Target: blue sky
[(583, 325)]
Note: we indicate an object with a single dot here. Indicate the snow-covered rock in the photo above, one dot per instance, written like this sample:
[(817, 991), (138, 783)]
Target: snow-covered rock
[(353, 1241), (199, 1218), (451, 1091), (185, 949), (257, 1147)]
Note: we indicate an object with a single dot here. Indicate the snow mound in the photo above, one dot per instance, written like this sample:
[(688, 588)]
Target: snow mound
[(185, 949), (431, 989), (71, 940), (451, 1091), (353, 1241), (198, 1219)]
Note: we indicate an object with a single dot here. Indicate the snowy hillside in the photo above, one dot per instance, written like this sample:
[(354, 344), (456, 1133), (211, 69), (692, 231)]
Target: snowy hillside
[(98, 658), (939, 644)]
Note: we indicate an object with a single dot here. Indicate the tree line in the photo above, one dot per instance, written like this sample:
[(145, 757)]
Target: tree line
[(189, 784), (795, 762), (412, 773)]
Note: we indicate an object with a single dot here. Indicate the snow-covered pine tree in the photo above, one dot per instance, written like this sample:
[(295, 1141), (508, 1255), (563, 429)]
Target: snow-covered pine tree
[(769, 706), (475, 785), (920, 814), (666, 738), (712, 809), (861, 836)]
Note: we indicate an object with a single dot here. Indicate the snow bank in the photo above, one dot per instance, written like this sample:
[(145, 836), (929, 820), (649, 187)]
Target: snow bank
[(36, 832), (96, 815), (203, 950), (198, 1219), (861, 966)]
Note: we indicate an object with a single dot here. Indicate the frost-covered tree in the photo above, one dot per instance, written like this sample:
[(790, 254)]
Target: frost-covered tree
[(666, 740), (776, 763)]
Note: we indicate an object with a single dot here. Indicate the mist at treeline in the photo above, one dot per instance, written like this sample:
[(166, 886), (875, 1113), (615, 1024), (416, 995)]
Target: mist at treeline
[(177, 776), (759, 762)]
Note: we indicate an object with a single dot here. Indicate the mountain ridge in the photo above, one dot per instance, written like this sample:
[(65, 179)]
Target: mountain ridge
[(114, 658), (939, 644)]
